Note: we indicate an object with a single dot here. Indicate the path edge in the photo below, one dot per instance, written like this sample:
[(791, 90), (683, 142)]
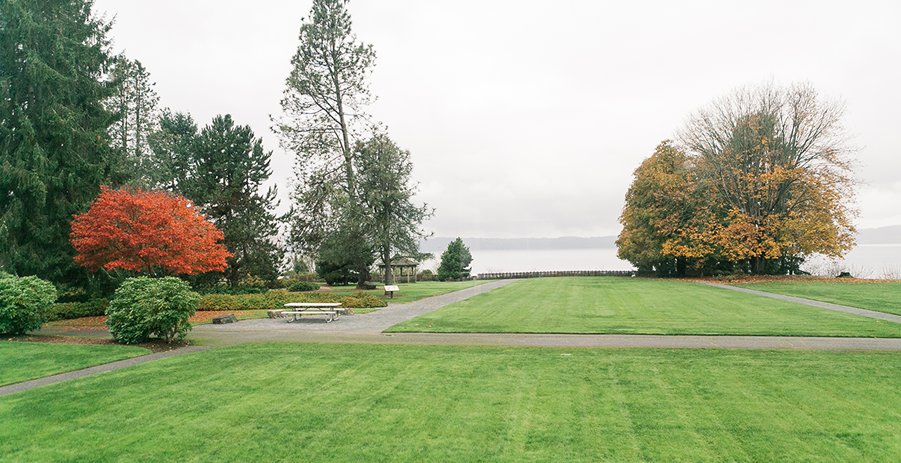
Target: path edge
[(95, 370)]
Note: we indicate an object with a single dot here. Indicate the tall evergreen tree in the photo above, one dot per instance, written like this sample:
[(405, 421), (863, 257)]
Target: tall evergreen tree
[(135, 103), (324, 102), (227, 172), (394, 222), (54, 142), (455, 261), (171, 149)]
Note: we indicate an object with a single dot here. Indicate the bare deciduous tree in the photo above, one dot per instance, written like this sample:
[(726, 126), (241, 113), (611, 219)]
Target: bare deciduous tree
[(775, 155)]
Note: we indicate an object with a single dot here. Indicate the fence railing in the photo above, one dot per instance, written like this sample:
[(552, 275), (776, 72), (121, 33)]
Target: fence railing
[(562, 273)]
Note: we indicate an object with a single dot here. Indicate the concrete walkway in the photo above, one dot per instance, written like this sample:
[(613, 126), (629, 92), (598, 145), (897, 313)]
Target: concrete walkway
[(372, 323), (562, 340), (91, 371), (822, 305)]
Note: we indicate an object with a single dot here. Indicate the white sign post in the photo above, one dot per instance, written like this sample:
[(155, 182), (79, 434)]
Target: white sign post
[(391, 289)]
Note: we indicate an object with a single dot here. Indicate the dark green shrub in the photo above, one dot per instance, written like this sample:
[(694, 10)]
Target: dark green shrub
[(277, 299), (70, 310), (305, 276), (291, 278), (23, 303), (253, 281), (232, 290), (426, 275), (336, 273), (151, 307), (301, 286), (71, 294)]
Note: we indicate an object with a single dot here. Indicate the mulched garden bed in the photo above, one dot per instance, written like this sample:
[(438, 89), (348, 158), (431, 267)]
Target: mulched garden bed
[(99, 323)]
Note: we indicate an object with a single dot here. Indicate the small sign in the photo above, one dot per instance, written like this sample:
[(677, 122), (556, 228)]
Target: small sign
[(391, 288)]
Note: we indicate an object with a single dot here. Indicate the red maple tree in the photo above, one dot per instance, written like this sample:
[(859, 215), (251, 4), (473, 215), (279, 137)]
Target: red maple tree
[(148, 232)]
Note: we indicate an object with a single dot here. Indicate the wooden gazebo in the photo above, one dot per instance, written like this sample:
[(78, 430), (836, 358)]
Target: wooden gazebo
[(404, 269)]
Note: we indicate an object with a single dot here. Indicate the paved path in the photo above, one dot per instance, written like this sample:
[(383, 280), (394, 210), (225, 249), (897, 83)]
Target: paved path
[(810, 302), (373, 322), (563, 340), (47, 380)]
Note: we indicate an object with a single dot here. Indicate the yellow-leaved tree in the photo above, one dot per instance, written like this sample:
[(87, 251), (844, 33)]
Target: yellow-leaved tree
[(768, 179)]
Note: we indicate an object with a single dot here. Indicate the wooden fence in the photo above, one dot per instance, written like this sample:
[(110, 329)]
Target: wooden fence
[(564, 273)]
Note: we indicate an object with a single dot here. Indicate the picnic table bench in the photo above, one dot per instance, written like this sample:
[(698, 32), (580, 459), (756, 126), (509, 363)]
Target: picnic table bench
[(299, 309)]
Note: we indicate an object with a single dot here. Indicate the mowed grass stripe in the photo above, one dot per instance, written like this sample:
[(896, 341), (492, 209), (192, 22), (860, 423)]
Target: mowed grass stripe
[(882, 296), (22, 361), (611, 305), (297, 402)]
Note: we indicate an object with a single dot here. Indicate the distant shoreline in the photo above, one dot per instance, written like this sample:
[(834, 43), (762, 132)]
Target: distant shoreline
[(883, 236)]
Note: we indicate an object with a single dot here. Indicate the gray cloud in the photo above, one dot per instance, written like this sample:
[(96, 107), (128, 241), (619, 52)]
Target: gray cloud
[(528, 118)]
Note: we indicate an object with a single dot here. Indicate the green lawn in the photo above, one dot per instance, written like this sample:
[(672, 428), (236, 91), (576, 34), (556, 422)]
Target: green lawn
[(410, 292), (880, 296), (357, 403), (21, 361), (638, 306)]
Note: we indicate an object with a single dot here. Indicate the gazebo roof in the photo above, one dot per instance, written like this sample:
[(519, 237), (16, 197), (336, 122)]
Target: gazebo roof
[(401, 262)]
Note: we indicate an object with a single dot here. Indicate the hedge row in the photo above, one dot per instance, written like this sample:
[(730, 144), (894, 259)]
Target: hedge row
[(266, 301), (70, 310), (277, 299), (302, 286)]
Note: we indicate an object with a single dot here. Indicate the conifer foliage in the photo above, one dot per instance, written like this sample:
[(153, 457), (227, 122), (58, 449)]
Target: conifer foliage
[(455, 261), (53, 129), (227, 171)]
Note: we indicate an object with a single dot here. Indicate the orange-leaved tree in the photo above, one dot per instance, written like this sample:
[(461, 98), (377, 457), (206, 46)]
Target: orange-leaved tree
[(150, 232)]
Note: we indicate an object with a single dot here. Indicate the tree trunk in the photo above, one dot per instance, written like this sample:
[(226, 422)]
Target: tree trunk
[(346, 148), (389, 272), (362, 277)]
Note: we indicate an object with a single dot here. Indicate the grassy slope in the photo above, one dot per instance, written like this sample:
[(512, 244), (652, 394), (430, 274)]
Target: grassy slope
[(21, 361), (393, 403), (410, 292), (881, 296), (635, 305)]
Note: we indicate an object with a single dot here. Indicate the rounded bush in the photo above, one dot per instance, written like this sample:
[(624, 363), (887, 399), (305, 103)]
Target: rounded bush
[(151, 307), (301, 286), (24, 303)]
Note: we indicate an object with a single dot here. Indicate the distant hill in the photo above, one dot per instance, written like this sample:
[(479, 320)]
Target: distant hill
[(439, 244), (883, 235)]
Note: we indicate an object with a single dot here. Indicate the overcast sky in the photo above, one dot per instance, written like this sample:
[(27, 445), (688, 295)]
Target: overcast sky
[(527, 118)]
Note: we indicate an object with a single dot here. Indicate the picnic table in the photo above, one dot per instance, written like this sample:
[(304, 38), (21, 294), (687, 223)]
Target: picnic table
[(299, 309)]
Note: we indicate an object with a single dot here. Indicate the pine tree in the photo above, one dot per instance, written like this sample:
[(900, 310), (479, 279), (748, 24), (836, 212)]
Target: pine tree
[(171, 149), (54, 125), (227, 172), (135, 103), (394, 222), (455, 261), (324, 108)]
